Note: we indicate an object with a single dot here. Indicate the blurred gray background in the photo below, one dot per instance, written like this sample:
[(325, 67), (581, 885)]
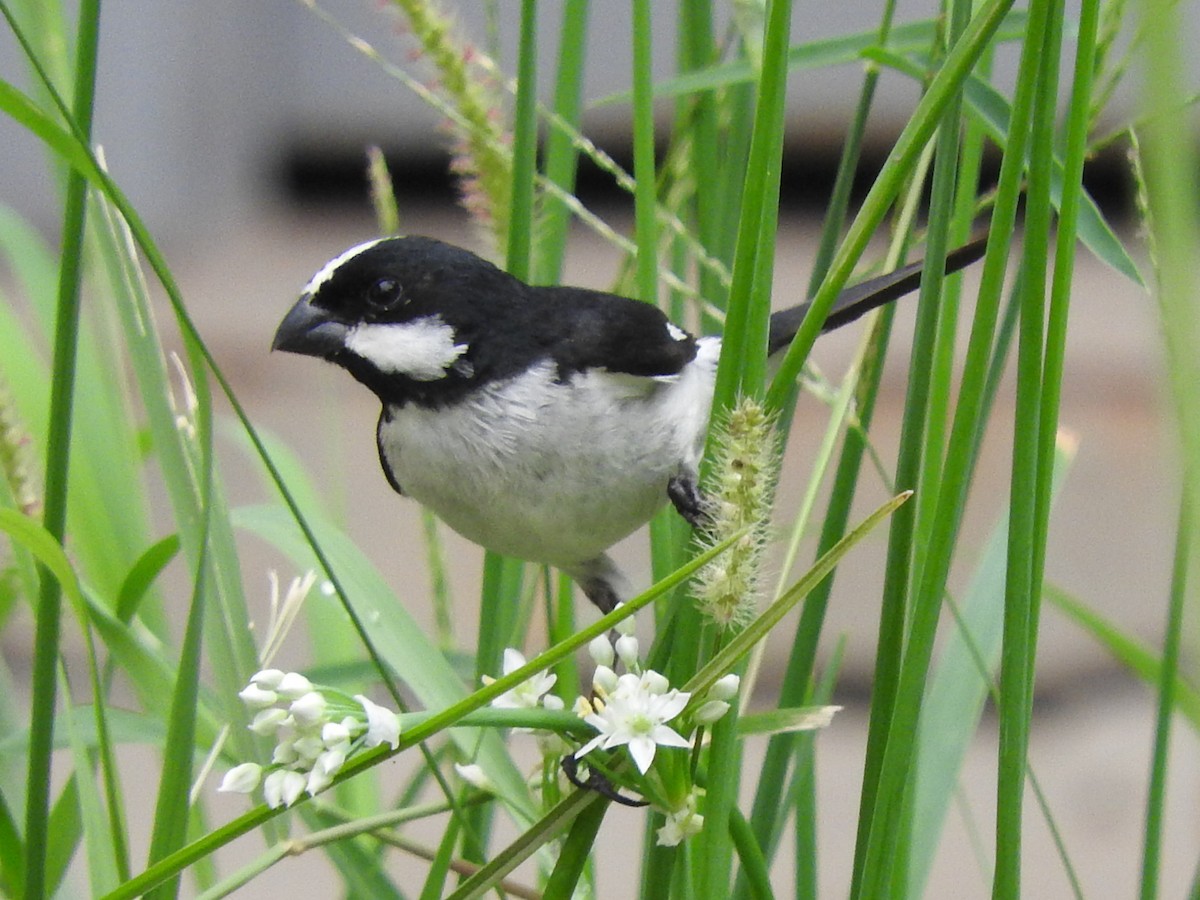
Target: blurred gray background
[(238, 130)]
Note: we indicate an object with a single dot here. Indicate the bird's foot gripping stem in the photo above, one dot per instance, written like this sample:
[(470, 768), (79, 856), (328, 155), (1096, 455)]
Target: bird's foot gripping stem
[(689, 502)]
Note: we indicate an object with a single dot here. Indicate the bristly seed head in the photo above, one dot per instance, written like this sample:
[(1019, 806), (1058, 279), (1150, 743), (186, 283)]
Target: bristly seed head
[(16, 457), (742, 487)]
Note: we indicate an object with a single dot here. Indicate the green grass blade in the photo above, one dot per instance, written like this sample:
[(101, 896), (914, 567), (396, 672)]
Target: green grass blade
[(797, 679), (1027, 530), (843, 181), (645, 194), (103, 872), (172, 808), (958, 688), (1141, 660), (992, 110), (902, 535), (12, 852), (143, 574), (902, 158), (520, 229), (750, 855), (576, 850), (562, 155), (1167, 679), (66, 831), (547, 828), (742, 368), (58, 441), (184, 453), (819, 54), (885, 819)]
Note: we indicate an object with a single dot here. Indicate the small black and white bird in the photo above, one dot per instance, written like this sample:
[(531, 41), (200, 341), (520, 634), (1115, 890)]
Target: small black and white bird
[(544, 423)]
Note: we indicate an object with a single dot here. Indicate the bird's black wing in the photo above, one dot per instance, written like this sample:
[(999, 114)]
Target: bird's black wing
[(591, 329)]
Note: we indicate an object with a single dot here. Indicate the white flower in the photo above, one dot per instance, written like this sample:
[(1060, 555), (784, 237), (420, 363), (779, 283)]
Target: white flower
[(604, 681), (309, 709), (383, 725), (283, 788), (681, 824), (527, 694), (311, 746), (636, 714), (241, 779)]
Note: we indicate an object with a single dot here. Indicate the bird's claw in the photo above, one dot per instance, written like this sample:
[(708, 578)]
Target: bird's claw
[(597, 783), (689, 502)]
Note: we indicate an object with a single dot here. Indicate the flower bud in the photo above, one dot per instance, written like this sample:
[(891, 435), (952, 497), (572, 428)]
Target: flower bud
[(257, 698), (627, 650), (725, 687), (241, 779), (601, 650), (293, 686)]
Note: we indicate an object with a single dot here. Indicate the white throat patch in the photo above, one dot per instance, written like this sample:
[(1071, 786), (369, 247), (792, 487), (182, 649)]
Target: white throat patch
[(330, 267), (422, 349)]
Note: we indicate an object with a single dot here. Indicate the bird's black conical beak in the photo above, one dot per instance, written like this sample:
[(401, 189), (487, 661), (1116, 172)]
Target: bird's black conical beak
[(309, 330)]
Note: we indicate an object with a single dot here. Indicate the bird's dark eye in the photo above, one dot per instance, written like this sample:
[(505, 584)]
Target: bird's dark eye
[(384, 293)]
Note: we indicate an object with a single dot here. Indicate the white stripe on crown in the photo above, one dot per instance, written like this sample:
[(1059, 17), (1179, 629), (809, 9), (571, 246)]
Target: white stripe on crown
[(332, 266)]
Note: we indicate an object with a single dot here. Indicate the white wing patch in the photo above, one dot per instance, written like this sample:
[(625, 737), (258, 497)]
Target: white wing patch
[(676, 332), (422, 349), (330, 267)]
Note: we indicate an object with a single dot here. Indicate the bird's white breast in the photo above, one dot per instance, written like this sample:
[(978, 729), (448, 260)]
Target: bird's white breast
[(553, 471)]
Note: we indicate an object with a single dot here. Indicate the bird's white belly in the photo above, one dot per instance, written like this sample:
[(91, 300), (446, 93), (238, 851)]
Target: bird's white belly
[(547, 471)]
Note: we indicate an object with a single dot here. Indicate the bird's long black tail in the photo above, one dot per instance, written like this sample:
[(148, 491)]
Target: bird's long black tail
[(860, 299)]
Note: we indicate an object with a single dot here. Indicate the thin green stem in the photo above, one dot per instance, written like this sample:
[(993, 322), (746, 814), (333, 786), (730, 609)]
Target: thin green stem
[(742, 368), (1024, 533), (520, 229), (645, 191), (58, 441), (562, 154), (1168, 673), (927, 599), (900, 161), (901, 529), (576, 850), (843, 182)]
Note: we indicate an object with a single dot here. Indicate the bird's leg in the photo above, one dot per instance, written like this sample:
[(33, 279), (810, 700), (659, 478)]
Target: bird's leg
[(601, 582), (687, 499)]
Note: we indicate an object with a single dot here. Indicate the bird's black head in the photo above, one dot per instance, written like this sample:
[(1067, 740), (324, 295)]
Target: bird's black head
[(401, 315)]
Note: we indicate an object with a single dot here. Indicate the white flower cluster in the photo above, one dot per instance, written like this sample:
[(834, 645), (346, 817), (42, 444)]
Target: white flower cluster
[(632, 710), (315, 731)]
